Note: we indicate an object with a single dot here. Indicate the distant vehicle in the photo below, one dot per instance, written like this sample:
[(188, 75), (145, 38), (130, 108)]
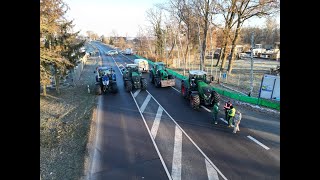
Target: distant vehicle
[(112, 52), (128, 51), (143, 65)]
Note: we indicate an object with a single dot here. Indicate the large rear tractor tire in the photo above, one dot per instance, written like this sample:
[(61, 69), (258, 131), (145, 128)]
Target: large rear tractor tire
[(184, 91), (151, 78), (144, 84), (216, 97), (98, 90), (157, 81), (128, 86), (195, 101), (114, 88)]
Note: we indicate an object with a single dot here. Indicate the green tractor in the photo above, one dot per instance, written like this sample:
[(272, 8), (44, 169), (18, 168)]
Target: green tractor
[(197, 90), (160, 76), (132, 78)]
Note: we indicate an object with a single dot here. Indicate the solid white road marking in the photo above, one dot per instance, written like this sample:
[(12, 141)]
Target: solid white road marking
[(177, 154), (205, 156), (145, 123), (154, 143), (145, 103), (205, 108), (212, 173), (226, 122), (136, 93), (175, 89), (256, 141), (156, 123), (161, 159)]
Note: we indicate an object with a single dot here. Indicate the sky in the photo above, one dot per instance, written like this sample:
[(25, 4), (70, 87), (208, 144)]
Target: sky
[(122, 16)]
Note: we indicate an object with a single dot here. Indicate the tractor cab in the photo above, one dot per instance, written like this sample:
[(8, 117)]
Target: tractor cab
[(159, 66), (197, 75)]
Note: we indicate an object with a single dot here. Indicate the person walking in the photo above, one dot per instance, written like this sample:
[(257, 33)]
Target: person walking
[(231, 113), (237, 119), (215, 111), (226, 107)]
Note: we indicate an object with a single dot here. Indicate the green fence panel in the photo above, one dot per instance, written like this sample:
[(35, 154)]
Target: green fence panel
[(236, 96), (268, 103)]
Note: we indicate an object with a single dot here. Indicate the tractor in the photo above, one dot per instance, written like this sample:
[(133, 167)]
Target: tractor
[(105, 80), (196, 88), (132, 78), (160, 76)]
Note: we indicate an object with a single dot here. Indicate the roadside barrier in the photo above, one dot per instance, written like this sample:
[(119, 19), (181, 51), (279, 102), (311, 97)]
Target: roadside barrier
[(237, 96)]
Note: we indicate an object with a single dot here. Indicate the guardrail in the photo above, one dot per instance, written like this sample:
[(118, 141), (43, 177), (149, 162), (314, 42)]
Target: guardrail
[(237, 96)]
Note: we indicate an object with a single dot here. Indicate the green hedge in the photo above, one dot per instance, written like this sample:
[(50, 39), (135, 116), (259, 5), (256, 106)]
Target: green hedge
[(240, 97)]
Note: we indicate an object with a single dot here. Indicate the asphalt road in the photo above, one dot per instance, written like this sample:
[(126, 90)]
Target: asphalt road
[(155, 134)]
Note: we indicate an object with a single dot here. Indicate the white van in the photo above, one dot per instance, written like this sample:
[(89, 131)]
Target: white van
[(142, 64), (128, 51)]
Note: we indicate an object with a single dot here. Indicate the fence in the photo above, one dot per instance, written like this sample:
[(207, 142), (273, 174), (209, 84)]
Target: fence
[(236, 96)]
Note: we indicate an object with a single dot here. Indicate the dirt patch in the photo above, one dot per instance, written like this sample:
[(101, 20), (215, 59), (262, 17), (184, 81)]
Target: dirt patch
[(65, 121)]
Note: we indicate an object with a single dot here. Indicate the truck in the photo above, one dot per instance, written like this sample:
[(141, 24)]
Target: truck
[(160, 76), (143, 64)]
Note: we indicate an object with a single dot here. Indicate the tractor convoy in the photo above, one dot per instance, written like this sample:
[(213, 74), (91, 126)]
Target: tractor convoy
[(195, 87)]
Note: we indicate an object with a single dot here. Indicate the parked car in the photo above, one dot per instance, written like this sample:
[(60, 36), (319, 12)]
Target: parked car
[(112, 52)]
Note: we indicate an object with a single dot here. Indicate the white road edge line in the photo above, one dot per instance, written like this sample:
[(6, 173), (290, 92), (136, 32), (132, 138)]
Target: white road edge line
[(175, 89), (145, 103), (206, 157), (177, 154), (154, 143), (205, 108), (136, 93), (226, 121), (212, 173), (256, 141), (156, 123)]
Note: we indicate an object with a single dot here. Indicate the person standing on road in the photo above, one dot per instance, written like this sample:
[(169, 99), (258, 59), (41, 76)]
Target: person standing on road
[(226, 107), (215, 111), (237, 119), (231, 113)]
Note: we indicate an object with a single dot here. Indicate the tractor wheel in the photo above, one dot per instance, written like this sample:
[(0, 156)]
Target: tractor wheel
[(157, 81), (184, 91), (151, 78), (144, 84), (216, 97), (98, 90), (114, 88), (128, 86), (195, 101)]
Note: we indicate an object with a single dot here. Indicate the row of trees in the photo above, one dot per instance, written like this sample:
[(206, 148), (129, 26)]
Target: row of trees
[(193, 26), (59, 45)]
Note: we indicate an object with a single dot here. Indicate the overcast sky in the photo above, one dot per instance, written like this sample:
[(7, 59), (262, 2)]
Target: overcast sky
[(121, 16)]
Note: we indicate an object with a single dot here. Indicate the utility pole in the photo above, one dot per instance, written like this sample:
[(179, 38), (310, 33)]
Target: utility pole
[(252, 45)]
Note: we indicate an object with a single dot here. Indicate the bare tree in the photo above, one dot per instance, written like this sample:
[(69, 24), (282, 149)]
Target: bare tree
[(246, 9), (227, 9), (204, 11)]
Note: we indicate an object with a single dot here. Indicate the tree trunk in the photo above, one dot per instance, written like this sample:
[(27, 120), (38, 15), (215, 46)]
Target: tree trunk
[(234, 43), (44, 89), (224, 55), (56, 77)]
